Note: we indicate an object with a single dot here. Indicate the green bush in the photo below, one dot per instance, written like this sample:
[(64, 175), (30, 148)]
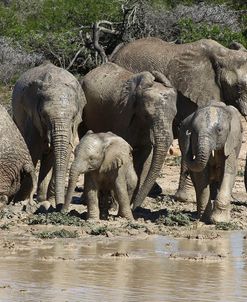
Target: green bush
[(190, 32)]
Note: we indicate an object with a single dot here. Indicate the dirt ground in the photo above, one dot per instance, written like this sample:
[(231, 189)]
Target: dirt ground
[(160, 215)]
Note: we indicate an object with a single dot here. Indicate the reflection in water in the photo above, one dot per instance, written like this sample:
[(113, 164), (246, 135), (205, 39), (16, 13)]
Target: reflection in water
[(75, 272)]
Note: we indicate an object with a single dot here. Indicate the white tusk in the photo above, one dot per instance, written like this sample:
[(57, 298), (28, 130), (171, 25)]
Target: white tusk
[(213, 153), (188, 132)]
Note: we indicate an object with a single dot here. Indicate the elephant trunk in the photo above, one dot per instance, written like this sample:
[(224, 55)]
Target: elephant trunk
[(197, 162), (60, 141), (73, 177), (162, 142)]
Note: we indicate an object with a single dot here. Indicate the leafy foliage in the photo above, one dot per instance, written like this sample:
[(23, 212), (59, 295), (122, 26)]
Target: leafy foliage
[(61, 30)]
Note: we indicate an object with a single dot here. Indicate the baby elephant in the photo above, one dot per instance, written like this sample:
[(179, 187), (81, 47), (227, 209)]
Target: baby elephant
[(106, 160), (210, 141), (16, 167)]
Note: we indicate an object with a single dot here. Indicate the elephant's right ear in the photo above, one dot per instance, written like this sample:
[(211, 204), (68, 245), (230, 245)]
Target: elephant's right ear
[(192, 73)]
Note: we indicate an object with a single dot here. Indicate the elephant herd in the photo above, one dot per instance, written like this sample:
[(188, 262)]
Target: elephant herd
[(127, 113)]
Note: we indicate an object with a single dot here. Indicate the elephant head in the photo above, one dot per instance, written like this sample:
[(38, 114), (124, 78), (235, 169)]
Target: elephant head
[(154, 110), (101, 152), (210, 128), (57, 116), (207, 71)]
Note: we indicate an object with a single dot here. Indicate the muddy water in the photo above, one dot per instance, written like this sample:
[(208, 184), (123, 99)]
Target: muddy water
[(157, 269)]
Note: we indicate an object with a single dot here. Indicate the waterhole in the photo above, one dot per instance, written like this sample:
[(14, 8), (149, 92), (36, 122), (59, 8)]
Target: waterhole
[(152, 269)]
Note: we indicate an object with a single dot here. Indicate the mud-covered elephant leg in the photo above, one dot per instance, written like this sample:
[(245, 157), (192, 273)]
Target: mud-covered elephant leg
[(185, 192), (35, 148), (132, 179), (104, 204), (91, 194), (202, 188), (44, 175), (121, 193), (222, 207)]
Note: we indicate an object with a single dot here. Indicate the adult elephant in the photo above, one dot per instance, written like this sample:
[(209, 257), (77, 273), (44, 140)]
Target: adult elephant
[(47, 108), (136, 108), (201, 71)]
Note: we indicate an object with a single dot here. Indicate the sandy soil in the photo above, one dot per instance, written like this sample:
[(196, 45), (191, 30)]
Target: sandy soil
[(160, 215)]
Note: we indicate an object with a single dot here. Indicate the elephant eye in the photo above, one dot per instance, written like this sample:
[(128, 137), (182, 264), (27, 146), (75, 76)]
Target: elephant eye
[(219, 128)]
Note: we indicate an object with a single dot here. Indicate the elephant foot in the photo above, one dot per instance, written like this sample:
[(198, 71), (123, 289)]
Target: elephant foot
[(59, 207), (44, 208), (126, 214), (185, 196), (220, 213), (31, 207)]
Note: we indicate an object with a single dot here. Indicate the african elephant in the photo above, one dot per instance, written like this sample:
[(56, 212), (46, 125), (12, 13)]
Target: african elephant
[(200, 71), (16, 165), (107, 162), (210, 141), (136, 108), (47, 108)]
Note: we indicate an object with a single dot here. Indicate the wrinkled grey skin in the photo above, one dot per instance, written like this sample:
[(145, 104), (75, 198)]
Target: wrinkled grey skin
[(210, 141), (16, 167), (47, 108), (200, 71), (107, 162), (136, 108)]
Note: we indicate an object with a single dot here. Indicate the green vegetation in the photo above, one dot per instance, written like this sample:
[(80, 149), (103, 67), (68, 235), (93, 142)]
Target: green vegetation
[(176, 219), (61, 30), (100, 230), (57, 234), (55, 219), (226, 226)]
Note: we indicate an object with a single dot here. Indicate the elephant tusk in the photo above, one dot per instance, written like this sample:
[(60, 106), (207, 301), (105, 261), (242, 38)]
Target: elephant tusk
[(188, 132), (213, 153)]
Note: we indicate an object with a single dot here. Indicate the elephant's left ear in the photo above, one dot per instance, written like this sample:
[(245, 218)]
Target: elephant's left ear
[(234, 137), (114, 156)]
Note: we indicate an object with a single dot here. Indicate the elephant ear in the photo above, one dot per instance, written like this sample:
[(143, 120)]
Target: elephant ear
[(140, 81), (235, 132), (192, 74), (114, 155), (161, 78), (185, 134)]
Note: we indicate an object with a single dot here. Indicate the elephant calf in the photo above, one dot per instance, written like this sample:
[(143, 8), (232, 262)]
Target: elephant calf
[(210, 141), (106, 160), (16, 167)]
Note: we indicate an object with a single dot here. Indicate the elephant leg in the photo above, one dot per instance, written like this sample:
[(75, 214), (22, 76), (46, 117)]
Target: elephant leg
[(202, 188), (222, 207), (185, 191), (131, 180), (104, 204), (44, 176), (92, 199), (34, 145), (122, 196)]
